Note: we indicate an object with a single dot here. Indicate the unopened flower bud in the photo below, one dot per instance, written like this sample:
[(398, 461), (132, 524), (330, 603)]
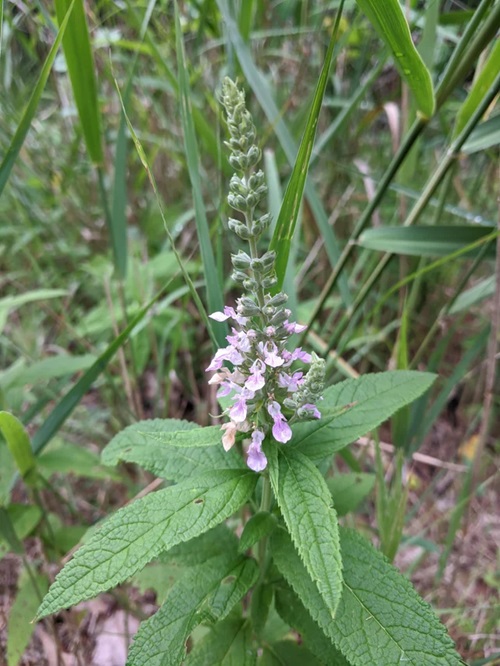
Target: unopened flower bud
[(269, 282), (279, 299), (242, 261), (247, 307)]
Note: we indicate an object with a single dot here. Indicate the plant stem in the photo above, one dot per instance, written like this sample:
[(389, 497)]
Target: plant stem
[(265, 505)]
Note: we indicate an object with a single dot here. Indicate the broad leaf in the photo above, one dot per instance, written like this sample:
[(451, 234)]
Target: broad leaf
[(373, 399), (138, 533), (206, 592), (349, 490), (291, 609), (171, 448), (23, 519), (288, 653), (72, 459), (306, 505), (389, 21), (228, 644), (259, 526), (380, 618)]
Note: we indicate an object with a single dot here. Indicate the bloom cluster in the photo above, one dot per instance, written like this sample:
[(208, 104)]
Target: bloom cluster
[(267, 393)]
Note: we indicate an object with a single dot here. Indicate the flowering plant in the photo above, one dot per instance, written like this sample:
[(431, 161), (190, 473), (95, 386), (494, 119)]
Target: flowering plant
[(256, 547), (262, 383)]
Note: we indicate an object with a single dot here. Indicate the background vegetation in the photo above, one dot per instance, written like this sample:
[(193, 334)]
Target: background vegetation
[(112, 200)]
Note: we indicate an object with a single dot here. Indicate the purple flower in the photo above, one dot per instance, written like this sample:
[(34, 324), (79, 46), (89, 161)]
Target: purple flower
[(296, 355), (309, 410), (270, 354), (256, 379), (238, 411), (291, 383), (256, 458), (292, 327), (281, 430), (229, 313)]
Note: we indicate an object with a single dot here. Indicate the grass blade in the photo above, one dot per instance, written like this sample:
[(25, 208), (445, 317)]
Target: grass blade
[(214, 290), (30, 110), (390, 23), (78, 54), (285, 226)]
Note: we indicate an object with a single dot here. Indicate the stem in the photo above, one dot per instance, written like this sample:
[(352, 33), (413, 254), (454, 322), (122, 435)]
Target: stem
[(265, 505)]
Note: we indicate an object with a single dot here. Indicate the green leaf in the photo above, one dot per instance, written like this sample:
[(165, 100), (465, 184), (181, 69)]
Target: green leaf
[(349, 490), (436, 241), (10, 303), (23, 519), (78, 54), (228, 644), (18, 443), (467, 299), (53, 367), (289, 211), (207, 592), (260, 525), (389, 21), (171, 448), (291, 609), (306, 505), (72, 398), (214, 288), (374, 398), (288, 653), (137, 533), (29, 112), (484, 136), (482, 83), (20, 627), (380, 618), (72, 459)]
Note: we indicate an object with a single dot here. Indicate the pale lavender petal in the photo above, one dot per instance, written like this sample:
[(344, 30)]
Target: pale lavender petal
[(224, 389), (312, 411), (270, 353), (257, 437), (299, 355), (256, 459), (255, 382), (282, 431), (274, 410), (238, 411), (293, 327)]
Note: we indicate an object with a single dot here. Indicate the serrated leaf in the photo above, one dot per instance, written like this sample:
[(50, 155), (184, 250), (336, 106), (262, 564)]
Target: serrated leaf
[(380, 618), (292, 611), (374, 398), (228, 644), (171, 448), (288, 653), (259, 526), (206, 592), (306, 505), (20, 628), (18, 443), (349, 490), (136, 534)]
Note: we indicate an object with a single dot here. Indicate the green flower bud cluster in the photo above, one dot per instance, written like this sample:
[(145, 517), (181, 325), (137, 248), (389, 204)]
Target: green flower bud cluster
[(247, 188), (310, 392)]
